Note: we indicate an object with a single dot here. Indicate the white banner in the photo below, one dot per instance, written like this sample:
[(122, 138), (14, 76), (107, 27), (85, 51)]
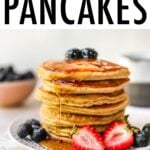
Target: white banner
[(68, 14)]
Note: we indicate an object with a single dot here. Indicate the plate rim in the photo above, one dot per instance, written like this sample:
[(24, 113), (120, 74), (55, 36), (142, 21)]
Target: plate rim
[(35, 115), (9, 132)]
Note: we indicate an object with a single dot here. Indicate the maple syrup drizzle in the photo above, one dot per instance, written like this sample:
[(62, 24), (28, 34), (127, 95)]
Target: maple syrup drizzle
[(59, 109), (59, 113), (103, 83)]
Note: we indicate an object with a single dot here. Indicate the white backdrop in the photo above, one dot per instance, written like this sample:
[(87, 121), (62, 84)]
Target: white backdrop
[(28, 48)]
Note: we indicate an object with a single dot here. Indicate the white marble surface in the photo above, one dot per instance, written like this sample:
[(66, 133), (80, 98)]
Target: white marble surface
[(7, 115), (138, 116)]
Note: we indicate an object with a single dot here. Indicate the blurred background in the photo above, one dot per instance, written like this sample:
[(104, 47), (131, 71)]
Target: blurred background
[(28, 48)]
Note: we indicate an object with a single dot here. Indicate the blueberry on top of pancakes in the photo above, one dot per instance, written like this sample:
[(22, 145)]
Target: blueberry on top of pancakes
[(73, 54), (86, 53), (89, 53)]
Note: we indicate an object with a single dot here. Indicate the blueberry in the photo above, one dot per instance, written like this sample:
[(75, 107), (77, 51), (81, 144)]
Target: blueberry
[(35, 127), (9, 77), (146, 129), (10, 69), (24, 130), (89, 53), (28, 75), (73, 54), (3, 74), (140, 140), (6, 74), (39, 135), (1, 69), (20, 76), (33, 122), (12, 77)]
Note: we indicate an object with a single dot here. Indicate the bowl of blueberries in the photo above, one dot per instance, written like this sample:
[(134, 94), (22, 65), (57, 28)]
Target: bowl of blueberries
[(15, 87)]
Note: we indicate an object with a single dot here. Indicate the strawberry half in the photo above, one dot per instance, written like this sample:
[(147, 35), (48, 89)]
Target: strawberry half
[(87, 138), (117, 136)]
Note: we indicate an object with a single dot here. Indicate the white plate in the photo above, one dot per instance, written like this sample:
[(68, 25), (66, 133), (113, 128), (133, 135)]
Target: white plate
[(30, 145)]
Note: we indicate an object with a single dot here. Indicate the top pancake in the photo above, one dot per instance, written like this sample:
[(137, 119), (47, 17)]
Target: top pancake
[(84, 70)]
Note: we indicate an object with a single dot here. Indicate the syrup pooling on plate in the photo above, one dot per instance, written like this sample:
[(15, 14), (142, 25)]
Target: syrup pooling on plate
[(56, 145)]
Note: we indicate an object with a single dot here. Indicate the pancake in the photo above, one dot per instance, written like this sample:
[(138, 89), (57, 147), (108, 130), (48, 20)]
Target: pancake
[(53, 117), (58, 138), (65, 134), (102, 110), (80, 100), (81, 70), (61, 123), (84, 87)]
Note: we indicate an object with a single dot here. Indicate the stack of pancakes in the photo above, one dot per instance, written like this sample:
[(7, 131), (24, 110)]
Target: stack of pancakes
[(81, 92)]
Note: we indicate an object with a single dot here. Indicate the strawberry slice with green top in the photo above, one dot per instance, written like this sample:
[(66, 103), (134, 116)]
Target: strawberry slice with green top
[(87, 138), (117, 136)]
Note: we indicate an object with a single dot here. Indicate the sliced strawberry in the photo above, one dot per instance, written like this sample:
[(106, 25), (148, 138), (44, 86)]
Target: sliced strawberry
[(87, 138), (117, 136)]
